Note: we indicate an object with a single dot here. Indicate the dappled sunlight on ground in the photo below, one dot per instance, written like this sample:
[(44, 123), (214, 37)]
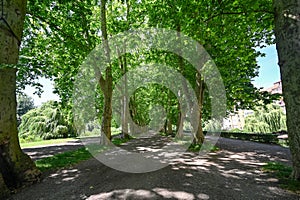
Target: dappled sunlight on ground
[(233, 172), (156, 193)]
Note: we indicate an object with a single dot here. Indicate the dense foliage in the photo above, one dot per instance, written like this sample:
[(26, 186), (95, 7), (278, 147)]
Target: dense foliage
[(266, 120), (45, 122), (60, 34)]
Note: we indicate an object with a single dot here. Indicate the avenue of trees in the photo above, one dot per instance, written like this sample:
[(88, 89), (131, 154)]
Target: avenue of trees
[(58, 35)]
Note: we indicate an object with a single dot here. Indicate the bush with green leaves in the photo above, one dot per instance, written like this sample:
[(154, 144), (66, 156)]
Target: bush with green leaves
[(46, 122)]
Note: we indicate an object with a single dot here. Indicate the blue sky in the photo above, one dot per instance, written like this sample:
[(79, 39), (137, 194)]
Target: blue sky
[(46, 95), (268, 74), (269, 70)]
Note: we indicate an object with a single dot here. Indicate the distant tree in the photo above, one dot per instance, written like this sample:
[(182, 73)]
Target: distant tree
[(212, 125), (24, 104), (266, 120)]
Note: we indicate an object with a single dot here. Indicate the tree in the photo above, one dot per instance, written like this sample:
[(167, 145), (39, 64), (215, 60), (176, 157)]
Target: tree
[(266, 119), (24, 104), (205, 21), (16, 168), (287, 32), (106, 84), (46, 122)]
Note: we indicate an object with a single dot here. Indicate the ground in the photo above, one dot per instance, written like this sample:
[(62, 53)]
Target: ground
[(233, 172)]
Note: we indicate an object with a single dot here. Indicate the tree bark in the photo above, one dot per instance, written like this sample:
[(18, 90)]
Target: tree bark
[(199, 137), (287, 32), (4, 192), (16, 168), (106, 86), (169, 127), (180, 120), (125, 107)]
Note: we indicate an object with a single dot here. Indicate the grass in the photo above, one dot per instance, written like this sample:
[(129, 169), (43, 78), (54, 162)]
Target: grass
[(282, 172), (208, 147), (69, 158), (46, 142), (63, 159)]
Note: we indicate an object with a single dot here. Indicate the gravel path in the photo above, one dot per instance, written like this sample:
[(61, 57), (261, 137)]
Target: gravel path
[(231, 173)]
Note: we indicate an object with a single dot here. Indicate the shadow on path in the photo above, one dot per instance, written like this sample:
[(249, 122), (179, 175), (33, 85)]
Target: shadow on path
[(231, 173)]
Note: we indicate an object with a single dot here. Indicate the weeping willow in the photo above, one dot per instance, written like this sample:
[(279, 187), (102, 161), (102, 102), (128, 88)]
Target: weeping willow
[(45, 122), (266, 120)]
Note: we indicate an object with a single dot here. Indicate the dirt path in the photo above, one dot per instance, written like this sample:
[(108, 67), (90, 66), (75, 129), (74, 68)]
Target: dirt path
[(231, 173)]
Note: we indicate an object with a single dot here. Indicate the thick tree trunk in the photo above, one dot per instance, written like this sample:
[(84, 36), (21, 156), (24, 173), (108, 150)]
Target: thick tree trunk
[(287, 32), (16, 168)]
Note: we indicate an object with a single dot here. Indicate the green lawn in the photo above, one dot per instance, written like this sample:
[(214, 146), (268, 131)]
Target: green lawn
[(46, 142)]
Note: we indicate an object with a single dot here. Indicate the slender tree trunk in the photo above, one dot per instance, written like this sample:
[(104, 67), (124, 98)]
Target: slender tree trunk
[(180, 119), (106, 85), (169, 121), (199, 138), (287, 32), (169, 127), (124, 109), (125, 131), (16, 168), (132, 110), (182, 113)]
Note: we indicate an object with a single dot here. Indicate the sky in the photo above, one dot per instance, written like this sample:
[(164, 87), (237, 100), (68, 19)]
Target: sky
[(46, 95), (269, 70), (268, 74)]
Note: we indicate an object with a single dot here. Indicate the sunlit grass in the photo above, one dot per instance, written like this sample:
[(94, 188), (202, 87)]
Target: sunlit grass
[(283, 172), (46, 142), (63, 159)]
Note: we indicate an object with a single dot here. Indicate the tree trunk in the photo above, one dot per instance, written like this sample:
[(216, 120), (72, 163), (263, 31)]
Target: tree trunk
[(169, 127), (287, 32), (16, 168), (180, 118), (106, 85), (106, 118), (4, 192), (199, 137), (125, 108), (169, 118)]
